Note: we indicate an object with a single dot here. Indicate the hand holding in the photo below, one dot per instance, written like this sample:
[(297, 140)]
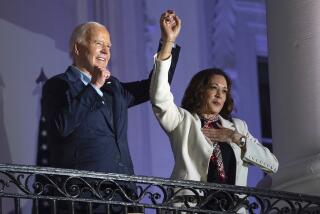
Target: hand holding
[(170, 25), (99, 76)]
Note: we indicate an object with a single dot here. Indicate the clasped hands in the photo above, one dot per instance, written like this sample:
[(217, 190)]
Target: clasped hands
[(170, 25), (222, 135)]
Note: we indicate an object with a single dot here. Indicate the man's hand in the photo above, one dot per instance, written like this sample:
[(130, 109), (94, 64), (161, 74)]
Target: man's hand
[(99, 76), (170, 25)]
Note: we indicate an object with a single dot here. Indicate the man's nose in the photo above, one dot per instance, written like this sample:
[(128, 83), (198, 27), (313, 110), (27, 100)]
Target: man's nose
[(104, 49)]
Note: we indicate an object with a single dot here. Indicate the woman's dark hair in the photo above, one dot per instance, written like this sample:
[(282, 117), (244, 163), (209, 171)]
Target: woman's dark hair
[(195, 94)]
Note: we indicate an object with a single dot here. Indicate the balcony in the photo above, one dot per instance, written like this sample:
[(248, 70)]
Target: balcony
[(57, 191)]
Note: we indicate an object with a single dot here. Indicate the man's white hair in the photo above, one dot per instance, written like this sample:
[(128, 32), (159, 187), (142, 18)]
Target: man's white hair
[(79, 34)]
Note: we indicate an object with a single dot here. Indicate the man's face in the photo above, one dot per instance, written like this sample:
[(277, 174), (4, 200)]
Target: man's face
[(95, 50)]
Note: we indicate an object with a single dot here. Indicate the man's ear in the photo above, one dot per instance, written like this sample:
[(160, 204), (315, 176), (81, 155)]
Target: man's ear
[(76, 48)]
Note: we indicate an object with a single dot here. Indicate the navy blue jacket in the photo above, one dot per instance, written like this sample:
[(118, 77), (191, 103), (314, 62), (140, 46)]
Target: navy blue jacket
[(81, 132)]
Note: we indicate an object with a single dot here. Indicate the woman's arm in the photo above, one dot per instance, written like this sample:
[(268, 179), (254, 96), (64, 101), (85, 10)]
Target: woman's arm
[(254, 152), (166, 111), (170, 25)]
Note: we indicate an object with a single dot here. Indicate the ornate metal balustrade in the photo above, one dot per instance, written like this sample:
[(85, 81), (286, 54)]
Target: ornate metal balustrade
[(72, 191)]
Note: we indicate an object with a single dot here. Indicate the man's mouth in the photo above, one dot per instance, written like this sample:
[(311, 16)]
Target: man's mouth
[(101, 59)]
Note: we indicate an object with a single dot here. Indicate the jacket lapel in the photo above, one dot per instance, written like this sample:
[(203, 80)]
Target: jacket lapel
[(226, 123), (117, 105), (198, 121), (108, 90), (78, 86), (108, 110)]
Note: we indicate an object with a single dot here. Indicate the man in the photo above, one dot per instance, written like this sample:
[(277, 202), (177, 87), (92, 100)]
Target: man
[(86, 108)]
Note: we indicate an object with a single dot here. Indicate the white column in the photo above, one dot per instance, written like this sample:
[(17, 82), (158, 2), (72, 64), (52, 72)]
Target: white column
[(222, 18), (81, 11), (294, 53)]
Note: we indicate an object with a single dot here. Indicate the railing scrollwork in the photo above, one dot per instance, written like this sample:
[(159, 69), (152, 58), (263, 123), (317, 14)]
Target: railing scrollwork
[(51, 184)]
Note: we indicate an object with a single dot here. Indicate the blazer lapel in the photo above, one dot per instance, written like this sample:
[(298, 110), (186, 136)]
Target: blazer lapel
[(78, 86), (107, 110), (198, 124), (117, 105), (198, 121), (110, 113), (226, 123)]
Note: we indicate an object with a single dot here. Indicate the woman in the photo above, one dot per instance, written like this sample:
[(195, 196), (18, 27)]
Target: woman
[(208, 144)]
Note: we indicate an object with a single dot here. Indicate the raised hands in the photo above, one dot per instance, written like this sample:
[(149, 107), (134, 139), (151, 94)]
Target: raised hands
[(170, 25)]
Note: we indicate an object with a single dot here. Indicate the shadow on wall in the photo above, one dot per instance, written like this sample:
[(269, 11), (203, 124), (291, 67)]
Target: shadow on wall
[(51, 18), (5, 156)]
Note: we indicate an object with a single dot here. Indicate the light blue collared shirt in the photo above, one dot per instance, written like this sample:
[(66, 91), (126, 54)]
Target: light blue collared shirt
[(86, 79)]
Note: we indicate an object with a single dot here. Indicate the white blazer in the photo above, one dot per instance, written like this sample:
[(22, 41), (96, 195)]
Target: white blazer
[(191, 149)]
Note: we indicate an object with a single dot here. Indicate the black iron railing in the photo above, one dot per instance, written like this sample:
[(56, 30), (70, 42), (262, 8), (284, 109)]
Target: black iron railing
[(60, 191)]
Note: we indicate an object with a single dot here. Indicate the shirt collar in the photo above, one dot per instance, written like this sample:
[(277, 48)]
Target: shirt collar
[(83, 76), (224, 123)]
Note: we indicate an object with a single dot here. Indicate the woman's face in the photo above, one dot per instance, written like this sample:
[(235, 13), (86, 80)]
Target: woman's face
[(215, 96)]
